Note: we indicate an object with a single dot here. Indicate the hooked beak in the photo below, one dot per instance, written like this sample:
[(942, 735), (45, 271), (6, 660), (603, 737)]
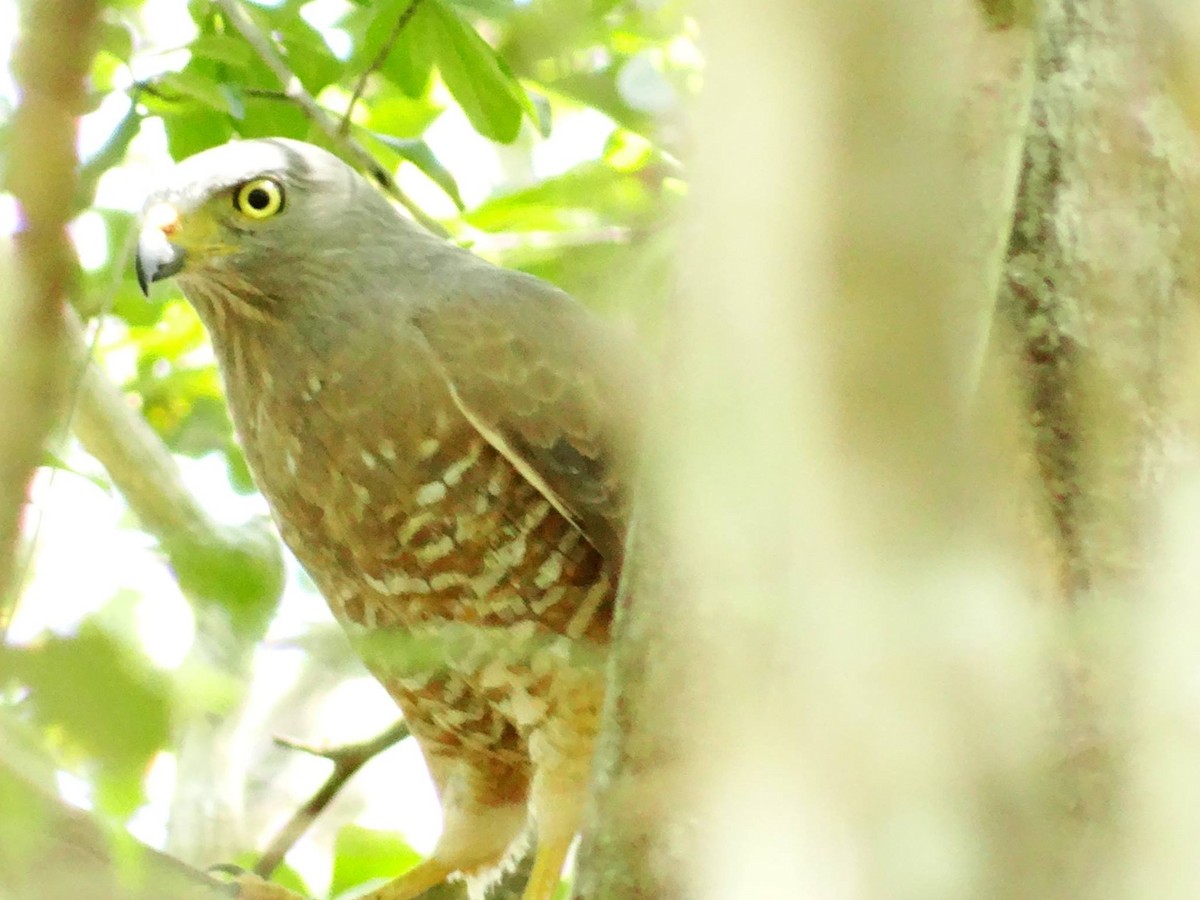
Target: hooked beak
[(157, 257)]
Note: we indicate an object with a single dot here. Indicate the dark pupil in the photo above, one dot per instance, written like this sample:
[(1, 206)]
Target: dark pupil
[(258, 198)]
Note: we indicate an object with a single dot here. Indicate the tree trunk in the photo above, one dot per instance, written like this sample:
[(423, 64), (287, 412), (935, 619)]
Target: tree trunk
[(876, 635), (1099, 311)]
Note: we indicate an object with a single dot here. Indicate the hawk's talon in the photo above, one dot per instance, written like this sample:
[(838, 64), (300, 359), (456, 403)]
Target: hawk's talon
[(251, 887), (227, 869), (245, 885)]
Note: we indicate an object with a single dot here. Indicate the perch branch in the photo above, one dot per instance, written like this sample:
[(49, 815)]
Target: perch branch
[(346, 762), (292, 87)]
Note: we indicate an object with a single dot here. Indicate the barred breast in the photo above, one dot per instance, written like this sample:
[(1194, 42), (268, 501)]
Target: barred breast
[(482, 610)]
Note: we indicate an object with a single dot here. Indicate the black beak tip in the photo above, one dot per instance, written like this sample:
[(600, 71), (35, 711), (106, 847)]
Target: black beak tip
[(157, 258), (143, 278)]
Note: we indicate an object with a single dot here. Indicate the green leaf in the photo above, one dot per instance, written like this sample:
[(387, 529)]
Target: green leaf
[(238, 578), (22, 809), (420, 155), (270, 117), (191, 130), (591, 194), (107, 704), (410, 58), (492, 9), (129, 304), (116, 39), (222, 48), (598, 89), (399, 116), (308, 56), (363, 854), (491, 97), (204, 90), (410, 63)]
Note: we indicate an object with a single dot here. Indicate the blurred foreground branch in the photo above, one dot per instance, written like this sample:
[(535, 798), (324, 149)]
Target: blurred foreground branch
[(49, 851), (50, 64), (955, 646), (792, 710)]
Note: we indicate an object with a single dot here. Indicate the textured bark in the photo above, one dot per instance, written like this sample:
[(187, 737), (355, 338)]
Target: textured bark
[(637, 835), (1100, 304), (1096, 285)]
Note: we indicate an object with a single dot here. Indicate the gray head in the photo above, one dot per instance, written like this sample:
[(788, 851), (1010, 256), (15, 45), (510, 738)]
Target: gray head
[(256, 227)]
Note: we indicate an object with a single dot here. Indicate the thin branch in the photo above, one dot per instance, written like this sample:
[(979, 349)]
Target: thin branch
[(346, 762), (267, 94), (385, 51), (292, 87), (110, 154)]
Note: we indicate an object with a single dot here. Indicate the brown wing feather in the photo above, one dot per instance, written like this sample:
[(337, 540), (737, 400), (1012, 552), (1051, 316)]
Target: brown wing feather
[(550, 386)]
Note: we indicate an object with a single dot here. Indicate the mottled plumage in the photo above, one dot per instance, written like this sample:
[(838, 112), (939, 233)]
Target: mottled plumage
[(445, 447)]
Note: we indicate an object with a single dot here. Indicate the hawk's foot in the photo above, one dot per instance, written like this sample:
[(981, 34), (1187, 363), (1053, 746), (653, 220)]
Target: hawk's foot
[(247, 886)]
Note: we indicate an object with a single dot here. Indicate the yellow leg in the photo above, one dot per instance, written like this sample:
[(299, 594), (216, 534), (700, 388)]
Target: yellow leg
[(414, 882), (251, 887), (547, 869), (408, 886)]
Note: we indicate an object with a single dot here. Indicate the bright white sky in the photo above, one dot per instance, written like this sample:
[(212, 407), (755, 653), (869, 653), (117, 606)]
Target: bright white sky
[(89, 549)]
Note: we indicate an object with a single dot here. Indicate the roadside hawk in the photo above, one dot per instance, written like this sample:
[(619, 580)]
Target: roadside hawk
[(445, 446)]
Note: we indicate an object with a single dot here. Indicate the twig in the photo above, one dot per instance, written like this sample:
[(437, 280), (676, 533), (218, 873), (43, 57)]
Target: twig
[(384, 51), (267, 94), (110, 154), (346, 762), (292, 87)]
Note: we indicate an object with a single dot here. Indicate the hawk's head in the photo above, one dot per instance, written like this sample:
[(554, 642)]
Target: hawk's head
[(256, 224)]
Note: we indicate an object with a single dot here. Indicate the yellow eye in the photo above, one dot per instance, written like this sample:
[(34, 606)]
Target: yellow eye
[(259, 199)]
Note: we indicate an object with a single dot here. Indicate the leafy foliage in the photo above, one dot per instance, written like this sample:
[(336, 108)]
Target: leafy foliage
[(363, 855), (100, 704), (574, 105)]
